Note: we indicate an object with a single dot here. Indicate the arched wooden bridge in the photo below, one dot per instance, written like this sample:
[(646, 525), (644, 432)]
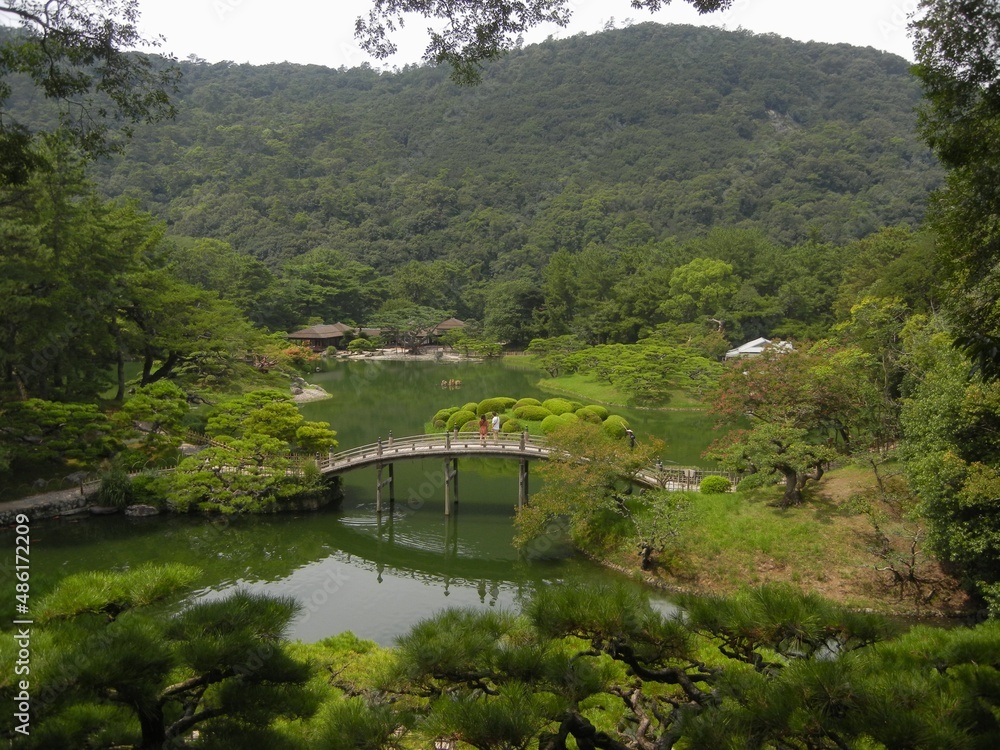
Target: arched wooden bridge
[(451, 446)]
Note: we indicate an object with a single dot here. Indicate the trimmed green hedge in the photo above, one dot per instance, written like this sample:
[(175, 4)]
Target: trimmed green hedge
[(511, 425), (558, 405), (550, 423), (460, 418), (588, 415), (714, 485), (555, 421), (531, 413), (443, 414), (526, 414), (498, 404), (527, 402), (615, 425)]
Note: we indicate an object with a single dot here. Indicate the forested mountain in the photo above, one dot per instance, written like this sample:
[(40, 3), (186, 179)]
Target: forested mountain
[(625, 137)]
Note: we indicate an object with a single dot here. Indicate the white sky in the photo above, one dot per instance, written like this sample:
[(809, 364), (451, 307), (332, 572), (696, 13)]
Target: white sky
[(322, 31)]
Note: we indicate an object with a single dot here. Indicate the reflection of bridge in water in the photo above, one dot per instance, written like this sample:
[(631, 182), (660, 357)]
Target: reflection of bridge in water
[(373, 544), (450, 446)]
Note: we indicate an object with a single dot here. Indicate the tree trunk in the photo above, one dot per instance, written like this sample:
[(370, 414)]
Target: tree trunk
[(148, 376), (154, 734), (793, 493), (646, 557), (147, 366), (120, 364)]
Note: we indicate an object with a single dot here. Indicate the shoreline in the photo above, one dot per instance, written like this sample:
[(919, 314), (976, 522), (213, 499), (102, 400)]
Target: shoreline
[(311, 393)]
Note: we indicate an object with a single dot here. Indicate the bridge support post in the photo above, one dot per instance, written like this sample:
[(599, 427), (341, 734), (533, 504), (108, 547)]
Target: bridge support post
[(380, 483), (450, 475), (522, 484)]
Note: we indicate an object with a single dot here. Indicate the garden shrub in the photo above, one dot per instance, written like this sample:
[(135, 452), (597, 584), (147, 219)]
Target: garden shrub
[(576, 405), (714, 485), (527, 402), (551, 422), (601, 411), (511, 425), (361, 345), (557, 405), (499, 404), (443, 414), (588, 415), (531, 413), (460, 418), (144, 490), (439, 423), (471, 406), (471, 426), (615, 425), (116, 488)]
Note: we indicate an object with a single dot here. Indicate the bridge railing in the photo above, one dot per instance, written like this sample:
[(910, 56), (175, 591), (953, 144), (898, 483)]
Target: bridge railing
[(521, 444), (407, 446)]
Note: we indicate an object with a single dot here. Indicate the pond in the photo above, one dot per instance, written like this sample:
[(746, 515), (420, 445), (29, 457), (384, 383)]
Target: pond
[(350, 568)]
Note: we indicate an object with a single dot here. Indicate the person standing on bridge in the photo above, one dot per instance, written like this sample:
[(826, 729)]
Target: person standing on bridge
[(483, 427), (496, 427)]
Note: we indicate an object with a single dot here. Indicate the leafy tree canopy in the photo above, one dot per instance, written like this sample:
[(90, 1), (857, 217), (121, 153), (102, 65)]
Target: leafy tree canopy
[(475, 32), (956, 48), (77, 54)]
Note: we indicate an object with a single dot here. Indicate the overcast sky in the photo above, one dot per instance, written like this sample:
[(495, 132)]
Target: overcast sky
[(322, 31)]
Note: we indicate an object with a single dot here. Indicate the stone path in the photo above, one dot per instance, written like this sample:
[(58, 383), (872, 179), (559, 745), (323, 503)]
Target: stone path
[(48, 504)]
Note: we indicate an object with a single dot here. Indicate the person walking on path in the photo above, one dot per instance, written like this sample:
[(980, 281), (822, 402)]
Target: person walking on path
[(496, 427), (483, 427), (631, 437)]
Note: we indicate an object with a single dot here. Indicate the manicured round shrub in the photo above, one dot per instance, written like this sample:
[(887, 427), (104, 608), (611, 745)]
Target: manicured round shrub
[(576, 405), (511, 425), (601, 411), (443, 414), (588, 415), (471, 406), (557, 405), (527, 402), (499, 404), (471, 426), (714, 485), (440, 423), (551, 422), (460, 418), (569, 417), (531, 412), (615, 425)]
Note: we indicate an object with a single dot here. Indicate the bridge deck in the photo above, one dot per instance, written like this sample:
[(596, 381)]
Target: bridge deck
[(449, 445)]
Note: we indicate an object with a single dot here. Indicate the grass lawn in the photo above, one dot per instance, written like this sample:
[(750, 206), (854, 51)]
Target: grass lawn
[(588, 388), (822, 546)]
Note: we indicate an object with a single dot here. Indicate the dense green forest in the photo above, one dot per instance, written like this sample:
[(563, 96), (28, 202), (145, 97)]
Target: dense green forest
[(616, 158), (673, 128)]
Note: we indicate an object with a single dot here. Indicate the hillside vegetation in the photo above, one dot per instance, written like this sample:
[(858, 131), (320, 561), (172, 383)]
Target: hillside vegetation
[(635, 134)]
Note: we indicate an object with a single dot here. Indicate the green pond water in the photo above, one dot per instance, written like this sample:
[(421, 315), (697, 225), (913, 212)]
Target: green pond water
[(351, 568)]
